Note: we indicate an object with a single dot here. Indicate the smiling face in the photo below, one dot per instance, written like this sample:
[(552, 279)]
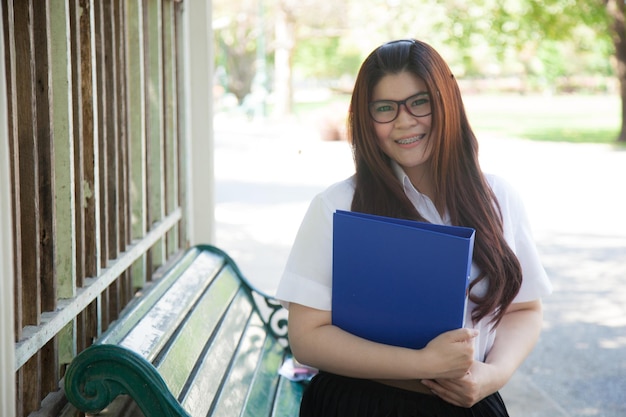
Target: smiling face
[(406, 139)]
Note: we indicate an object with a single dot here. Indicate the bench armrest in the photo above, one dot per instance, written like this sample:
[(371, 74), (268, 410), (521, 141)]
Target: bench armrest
[(102, 372)]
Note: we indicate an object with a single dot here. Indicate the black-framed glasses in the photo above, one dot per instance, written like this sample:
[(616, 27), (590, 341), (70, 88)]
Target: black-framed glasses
[(386, 111)]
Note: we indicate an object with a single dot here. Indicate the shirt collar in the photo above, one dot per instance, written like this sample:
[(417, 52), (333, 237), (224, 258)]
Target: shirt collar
[(422, 203)]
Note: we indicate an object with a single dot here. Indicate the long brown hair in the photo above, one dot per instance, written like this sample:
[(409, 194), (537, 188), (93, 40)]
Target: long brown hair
[(459, 183)]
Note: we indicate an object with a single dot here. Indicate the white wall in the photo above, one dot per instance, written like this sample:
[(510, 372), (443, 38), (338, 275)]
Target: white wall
[(7, 375), (197, 111)]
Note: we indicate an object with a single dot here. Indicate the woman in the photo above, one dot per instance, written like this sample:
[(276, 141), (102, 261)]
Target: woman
[(416, 157)]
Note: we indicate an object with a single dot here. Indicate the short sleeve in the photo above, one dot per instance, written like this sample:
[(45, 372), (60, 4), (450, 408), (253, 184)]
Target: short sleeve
[(518, 234), (307, 278)]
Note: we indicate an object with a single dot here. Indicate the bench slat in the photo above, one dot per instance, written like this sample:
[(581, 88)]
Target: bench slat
[(241, 373), (178, 360), (288, 399), (166, 306), (207, 381), (263, 388)]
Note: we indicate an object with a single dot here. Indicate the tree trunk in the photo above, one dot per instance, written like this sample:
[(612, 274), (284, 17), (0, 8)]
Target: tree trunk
[(616, 9), (283, 54)]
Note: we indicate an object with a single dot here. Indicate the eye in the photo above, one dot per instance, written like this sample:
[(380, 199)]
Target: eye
[(382, 107), (420, 100)]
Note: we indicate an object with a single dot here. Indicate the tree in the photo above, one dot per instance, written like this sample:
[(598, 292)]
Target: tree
[(236, 32), (542, 21), (616, 11), (296, 20), (284, 44)]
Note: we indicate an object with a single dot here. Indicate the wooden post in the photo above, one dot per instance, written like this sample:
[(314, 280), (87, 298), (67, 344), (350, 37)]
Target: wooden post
[(136, 109), (170, 96), (153, 49), (63, 150)]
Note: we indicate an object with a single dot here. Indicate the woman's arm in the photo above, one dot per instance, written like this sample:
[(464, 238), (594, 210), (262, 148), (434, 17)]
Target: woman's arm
[(516, 336), (316, 342)]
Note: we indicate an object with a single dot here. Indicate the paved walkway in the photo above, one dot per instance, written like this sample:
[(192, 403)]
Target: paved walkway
[(267, 173)]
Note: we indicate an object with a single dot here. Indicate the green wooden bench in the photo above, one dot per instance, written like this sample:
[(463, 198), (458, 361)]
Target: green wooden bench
[(200, 342)]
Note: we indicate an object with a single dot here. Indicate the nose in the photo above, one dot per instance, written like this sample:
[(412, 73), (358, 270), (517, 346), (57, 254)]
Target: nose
[(404, 115)]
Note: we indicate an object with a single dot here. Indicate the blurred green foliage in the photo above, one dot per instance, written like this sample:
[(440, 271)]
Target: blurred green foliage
[(537, 40), (325, 58)]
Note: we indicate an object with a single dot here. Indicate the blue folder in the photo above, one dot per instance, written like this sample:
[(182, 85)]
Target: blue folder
[(399, 282)]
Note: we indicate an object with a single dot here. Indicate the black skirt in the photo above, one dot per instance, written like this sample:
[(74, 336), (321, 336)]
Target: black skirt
[(330, 395)]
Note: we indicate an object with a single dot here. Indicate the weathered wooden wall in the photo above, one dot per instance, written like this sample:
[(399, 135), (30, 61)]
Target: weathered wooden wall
[(96, 161)]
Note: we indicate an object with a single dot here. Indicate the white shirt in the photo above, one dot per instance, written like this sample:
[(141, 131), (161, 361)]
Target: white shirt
[(307, 278)]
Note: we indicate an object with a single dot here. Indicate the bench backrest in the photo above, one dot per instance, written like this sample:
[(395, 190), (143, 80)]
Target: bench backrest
[(201, 328)]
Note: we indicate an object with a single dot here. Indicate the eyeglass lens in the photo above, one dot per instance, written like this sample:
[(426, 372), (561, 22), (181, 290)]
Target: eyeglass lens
[(386, 111)]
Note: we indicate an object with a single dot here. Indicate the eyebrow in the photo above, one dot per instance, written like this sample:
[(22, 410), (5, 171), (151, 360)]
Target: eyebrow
[(419, 93)]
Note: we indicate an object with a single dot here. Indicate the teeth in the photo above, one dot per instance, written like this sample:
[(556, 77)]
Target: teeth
[(408, 140)]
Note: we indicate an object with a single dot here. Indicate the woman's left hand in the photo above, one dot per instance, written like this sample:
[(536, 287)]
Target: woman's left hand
[(517, 334), (463, 392)]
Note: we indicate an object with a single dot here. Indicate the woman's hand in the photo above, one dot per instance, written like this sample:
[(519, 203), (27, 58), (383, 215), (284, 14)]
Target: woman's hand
[(451, 354), (516, 335), (464, 391)]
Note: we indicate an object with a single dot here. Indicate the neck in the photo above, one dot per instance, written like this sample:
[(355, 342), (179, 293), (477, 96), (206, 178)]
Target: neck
[(423, 181)]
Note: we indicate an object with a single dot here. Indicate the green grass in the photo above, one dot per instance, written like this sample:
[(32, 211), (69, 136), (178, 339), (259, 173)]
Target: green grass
[(562, 118), (577, 119)]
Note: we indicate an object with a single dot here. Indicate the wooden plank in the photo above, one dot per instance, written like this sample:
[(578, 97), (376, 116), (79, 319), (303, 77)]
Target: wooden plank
[(81, 339), (123, 215), (181, 356), (101, 99), (103, 167), (104, 315), (121, 129), (263, 387), (49, 369), (64, 246), (46, 209), (19, 393), (142, 304), (66, 346), (182, 129), (31, 388), (90, 139), (170, 128), (50, 372), (77, 118), (110, 116), (9, 38), (90, 331), (126, 291), (150, 335), (135, 89), (29, 187), (124, 288), (207, 384), (154, 121), (233, 396), (288, 398)]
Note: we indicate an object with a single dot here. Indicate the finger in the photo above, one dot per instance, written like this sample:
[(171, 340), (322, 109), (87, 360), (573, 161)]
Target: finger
[(445, 394), (443, 384), (466, 335)]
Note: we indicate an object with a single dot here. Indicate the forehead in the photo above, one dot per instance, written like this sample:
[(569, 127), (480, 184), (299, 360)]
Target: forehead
[(398, 86)]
